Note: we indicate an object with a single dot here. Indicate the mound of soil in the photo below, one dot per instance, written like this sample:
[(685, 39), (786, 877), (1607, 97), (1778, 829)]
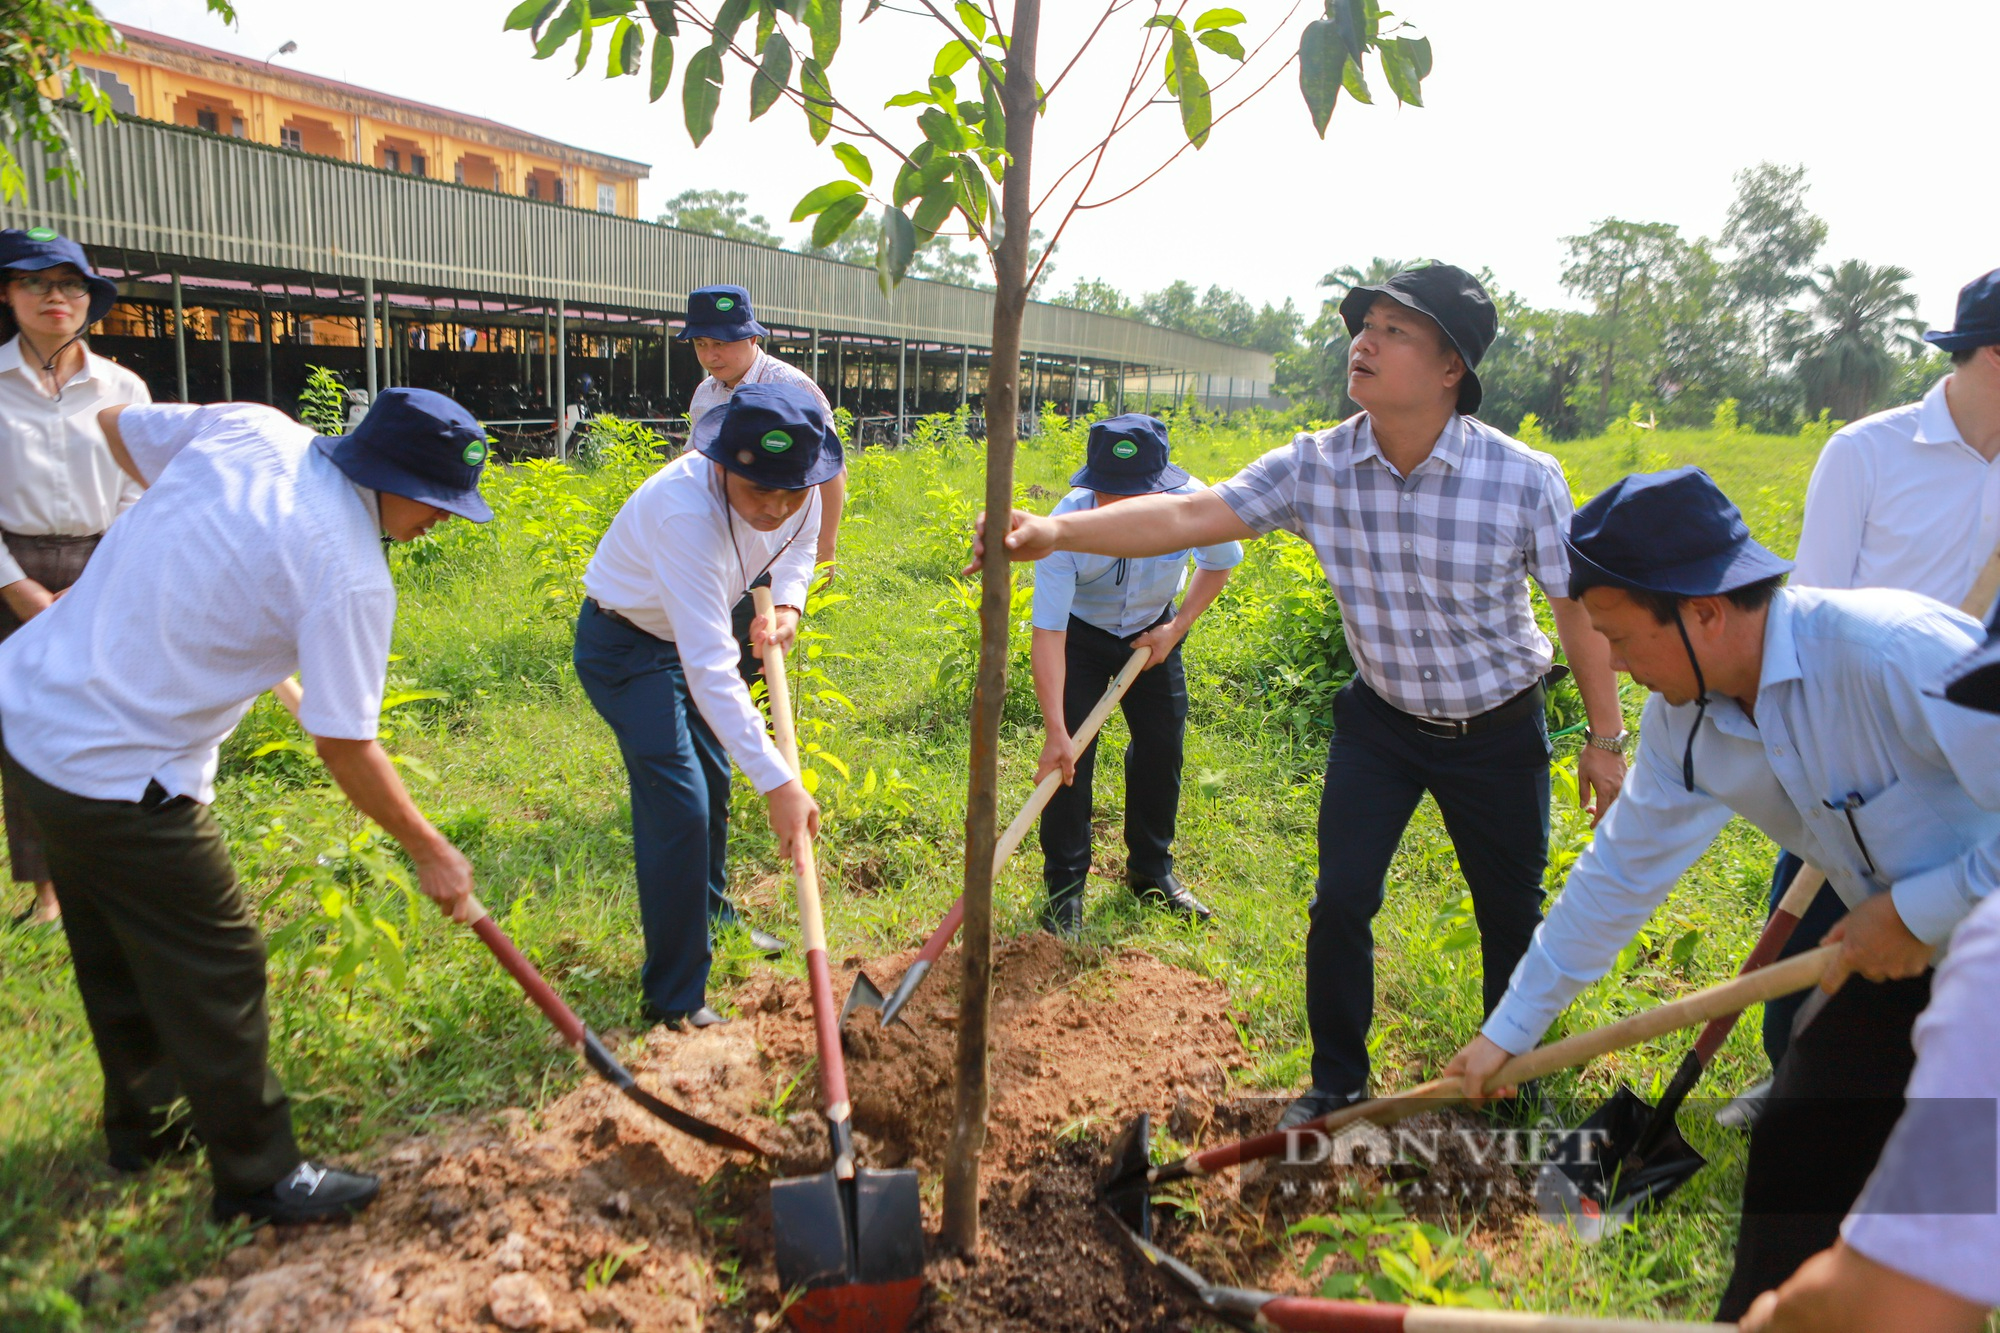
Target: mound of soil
[(593, 1215)]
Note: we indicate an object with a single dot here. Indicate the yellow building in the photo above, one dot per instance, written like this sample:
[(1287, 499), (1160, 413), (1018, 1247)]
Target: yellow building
[(164, 78)]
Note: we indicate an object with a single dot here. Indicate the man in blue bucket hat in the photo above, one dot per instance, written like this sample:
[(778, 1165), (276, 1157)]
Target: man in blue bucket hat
[(1090, 613), (258, 552), (657, 656), (1813, 713)]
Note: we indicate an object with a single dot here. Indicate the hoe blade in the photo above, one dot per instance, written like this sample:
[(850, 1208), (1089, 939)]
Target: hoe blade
[(864, 994), (1122, 1185), (1593, 1178), (855, 1250)]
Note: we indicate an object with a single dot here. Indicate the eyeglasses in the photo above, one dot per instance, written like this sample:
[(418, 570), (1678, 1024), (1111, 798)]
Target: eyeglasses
[(70, 289)]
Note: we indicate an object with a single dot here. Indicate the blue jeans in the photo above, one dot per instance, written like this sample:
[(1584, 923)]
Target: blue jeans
[(1827, 908), (679, 777), (1493, 791)]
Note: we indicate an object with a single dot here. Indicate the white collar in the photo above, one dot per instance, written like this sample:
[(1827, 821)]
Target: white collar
[(1934, 423), (12, 359)]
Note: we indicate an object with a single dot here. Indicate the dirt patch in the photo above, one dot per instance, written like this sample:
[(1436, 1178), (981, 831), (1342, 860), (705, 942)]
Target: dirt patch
[(592, 1215)]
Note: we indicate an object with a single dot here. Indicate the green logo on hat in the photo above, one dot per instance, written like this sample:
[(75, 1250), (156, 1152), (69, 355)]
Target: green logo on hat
[(777, 442), (1124, 448), (40, 234), (725, 303), (475, 453)]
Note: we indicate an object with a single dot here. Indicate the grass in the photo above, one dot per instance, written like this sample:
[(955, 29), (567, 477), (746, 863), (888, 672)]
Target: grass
[(514, 764)]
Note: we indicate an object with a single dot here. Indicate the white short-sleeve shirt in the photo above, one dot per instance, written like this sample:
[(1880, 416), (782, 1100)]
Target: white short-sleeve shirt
[(251, 557)]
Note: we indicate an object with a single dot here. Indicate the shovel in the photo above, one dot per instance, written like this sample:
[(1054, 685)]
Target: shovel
[(1629, 1154), (586, 1043), (1129, 1177), (849, 1240), (865, 994), (1243, 1308)]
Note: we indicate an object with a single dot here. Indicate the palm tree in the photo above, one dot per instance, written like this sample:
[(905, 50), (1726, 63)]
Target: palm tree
[(1347, 277), (1860, 318)]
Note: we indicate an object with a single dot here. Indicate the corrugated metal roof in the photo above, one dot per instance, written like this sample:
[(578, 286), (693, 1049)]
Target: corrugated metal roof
[(204, 202)]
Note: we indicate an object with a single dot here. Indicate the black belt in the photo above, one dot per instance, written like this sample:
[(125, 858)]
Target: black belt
[(618, 619), (1523, 705)]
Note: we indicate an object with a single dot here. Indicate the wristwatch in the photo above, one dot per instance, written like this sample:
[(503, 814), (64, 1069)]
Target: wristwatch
[(1615, 744)]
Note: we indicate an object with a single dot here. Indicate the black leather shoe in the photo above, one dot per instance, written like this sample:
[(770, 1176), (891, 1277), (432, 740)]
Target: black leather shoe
[(703, 1017), (1168, 892), (766, 943), (1314, 1105), (311, 1193), (1062, 914)]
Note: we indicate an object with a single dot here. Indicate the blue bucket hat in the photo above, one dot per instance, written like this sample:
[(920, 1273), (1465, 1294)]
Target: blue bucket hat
[(420, 445), (721, 313), (1673, 532), (39, 248), (1978, 322), (1127, 455), (774, 435)]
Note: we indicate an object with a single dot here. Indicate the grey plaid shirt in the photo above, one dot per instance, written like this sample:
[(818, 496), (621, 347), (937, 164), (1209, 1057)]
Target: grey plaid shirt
[(1430, 570)]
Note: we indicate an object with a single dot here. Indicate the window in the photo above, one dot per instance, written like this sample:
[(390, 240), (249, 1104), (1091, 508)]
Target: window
[(559, 192), (205, 119), (116, 89), (289, 137), (607, 198), (417, 165), (534, 187), (392, 160), (458, 171), (236, 126)]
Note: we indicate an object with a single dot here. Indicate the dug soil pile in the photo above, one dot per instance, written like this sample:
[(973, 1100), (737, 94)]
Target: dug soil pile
[(593, 1215)]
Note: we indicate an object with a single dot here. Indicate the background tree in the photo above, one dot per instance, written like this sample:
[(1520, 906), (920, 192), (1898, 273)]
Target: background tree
[(1312, 372), (719, 213), (1098, 297), (1775, 240), (1861, 318), (39, 40), (943, 260), (966, 167), (1538, 361), (1621, 268)]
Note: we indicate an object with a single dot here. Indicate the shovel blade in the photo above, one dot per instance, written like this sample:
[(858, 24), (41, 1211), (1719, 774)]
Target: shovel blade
[(1591, 1179), (1123, 1182), (863, 994), (856, 1250)]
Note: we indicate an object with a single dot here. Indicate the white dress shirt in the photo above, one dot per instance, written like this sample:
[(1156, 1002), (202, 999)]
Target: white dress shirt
[(251, 557), (1846, 709), (711, 393), (674, 561), (57, 478), (1929, 1208), (1900, 500)]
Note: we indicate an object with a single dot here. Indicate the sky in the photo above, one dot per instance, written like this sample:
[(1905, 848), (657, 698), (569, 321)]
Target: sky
[(1539, 120)]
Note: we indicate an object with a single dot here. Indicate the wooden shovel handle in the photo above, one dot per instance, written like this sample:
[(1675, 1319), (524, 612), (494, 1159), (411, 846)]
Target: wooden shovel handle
[(1301, 1314)]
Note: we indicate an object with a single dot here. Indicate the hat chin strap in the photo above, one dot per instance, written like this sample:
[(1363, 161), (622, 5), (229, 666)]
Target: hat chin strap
[(1701, 701), (49, 365)]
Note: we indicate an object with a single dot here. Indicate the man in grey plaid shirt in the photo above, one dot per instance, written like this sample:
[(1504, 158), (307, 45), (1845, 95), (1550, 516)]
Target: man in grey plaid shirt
[(1429, 524)]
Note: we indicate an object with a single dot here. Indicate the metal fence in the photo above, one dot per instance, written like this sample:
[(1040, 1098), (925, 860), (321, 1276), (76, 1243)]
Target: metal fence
[(187, 198)]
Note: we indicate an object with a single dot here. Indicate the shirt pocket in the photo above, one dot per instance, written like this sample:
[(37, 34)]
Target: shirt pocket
[(1900, 831)]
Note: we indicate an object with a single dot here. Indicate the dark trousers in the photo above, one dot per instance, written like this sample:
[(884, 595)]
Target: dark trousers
[(1156, 710), (1493, 790), (679, 777), (55, 563), (171, 967), (1827, 908), (1837, 1094)]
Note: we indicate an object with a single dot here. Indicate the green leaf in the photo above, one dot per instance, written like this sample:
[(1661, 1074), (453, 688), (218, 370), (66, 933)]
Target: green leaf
[(951, 58), (529, 14), (701, 93), (584, 36), (856, 162), (893, 252), (401, 697), (628, 43), (972, 193), (1321, 56), (1402, 77), (769, 83), (1357, 86), (727, 20), (933, 209), (1219, 18), (1351, 17), (1224, 42), (838, 217), (975, 22), (664, 20), (1419, 49), (558, 33), (909, 182), (944, 131), (994, 128), (663, 67), (819, 199), (1192, 90), (819, 100), (823, 22), (1164, 21), (925, 98)]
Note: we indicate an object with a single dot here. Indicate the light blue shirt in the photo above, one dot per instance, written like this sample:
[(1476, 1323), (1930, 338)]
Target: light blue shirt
[(1846, 704), (1119, 596)]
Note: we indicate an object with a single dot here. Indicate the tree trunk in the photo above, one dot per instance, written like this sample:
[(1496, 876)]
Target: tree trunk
[(996, 588)]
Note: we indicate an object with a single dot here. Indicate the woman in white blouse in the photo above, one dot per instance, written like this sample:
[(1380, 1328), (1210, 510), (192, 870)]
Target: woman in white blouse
[(59, 487)]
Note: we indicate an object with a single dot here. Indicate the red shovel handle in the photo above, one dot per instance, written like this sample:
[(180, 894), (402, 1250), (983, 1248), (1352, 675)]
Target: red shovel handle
[(524, 972), (1778, 930)]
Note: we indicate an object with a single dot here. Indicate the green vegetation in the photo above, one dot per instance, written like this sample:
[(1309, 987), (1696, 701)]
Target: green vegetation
[(386, 1019)]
